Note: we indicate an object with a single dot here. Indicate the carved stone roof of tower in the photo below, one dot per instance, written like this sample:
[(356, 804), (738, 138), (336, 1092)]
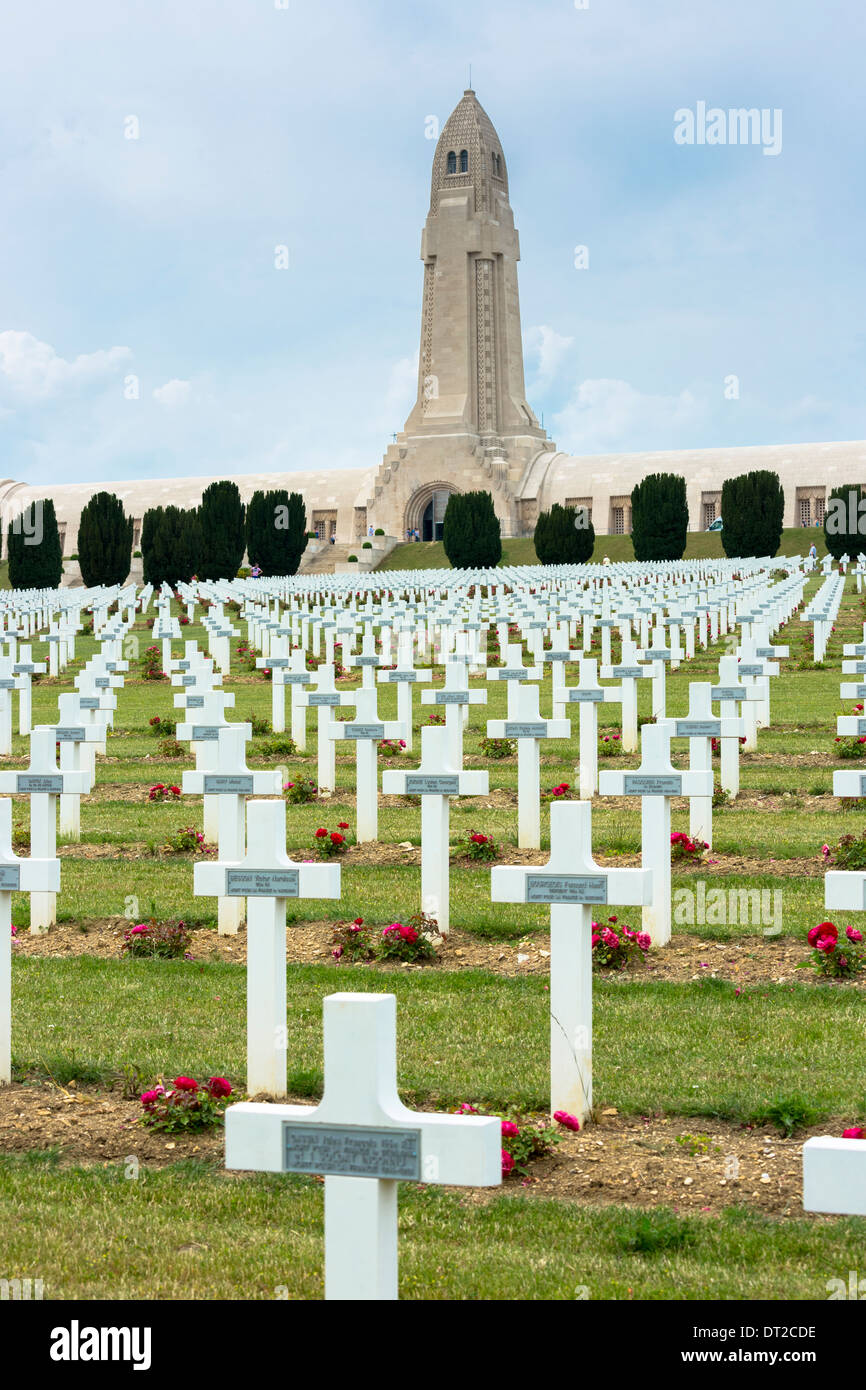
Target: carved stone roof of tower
[(470, 129)]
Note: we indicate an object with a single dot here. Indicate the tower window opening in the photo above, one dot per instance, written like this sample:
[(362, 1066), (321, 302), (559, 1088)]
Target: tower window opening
[(451, 164), (464, 161)]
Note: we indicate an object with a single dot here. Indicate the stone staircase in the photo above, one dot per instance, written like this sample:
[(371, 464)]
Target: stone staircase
[(324, 560)]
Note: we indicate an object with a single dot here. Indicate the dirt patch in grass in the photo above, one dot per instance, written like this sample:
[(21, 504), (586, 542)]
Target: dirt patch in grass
[(695, 1166), (755, 960)]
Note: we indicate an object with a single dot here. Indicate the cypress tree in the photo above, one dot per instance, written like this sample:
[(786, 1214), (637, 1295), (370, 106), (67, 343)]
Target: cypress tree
[(562, 537), (34, 549), (221, 516), (471, 532), (169, 545), (753, 506), (104, 540), (150, 524), (842, 521), (659, 517), (276, 531)]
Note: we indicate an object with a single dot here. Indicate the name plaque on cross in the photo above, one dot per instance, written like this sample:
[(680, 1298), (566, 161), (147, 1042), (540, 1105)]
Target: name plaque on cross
[(324, 699), (298, 678), (651, 654), (183, 665), (750, 670), (727, 692), (585, 697), (629, 672), (417, 784), (278, 662), (861, 727), (406, 676), (204, 733), (560, 656), (505, 673), (450, 697), (270, 883), (24, 668), (513, 730), (88, 701), (353, 1151), (698, 728), (7, 683), (769, 653), (566, 888), (10, 878), (195, 702), (52, 786), (638, 784), (102, 682), (365, 661), (72, 734), (364, 730), (187, 680), (216, 783)]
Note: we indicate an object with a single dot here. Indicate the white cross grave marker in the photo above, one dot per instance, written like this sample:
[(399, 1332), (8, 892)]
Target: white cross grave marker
[(266, 877), (232, 781), (528, 728), (16, 876), (572, 883), (435, 781), (655, 782), (43, 782), (700, 727), (367, 730), (364, 1140)]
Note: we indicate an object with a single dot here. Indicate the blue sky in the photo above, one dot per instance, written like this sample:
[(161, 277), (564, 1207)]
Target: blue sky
[(304, 126)]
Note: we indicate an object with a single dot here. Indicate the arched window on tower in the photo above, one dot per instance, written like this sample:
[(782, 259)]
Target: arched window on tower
[(464, 161), (451, 163)]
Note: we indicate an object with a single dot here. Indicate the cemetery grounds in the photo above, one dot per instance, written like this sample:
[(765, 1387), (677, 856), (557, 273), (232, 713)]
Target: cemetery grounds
[(712, 1064)]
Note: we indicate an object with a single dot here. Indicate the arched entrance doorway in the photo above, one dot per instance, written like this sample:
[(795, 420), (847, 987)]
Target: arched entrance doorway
[(426, 511), (433, 517)]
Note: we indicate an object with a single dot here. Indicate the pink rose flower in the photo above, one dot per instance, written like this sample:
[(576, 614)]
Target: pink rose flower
[(853, 934), (855, 1133), (567, 1121), (507, 1163), (509, 1129)]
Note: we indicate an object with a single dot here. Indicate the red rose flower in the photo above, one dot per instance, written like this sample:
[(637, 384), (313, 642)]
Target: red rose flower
[(321, 833), (185, 1083), (337, 838), (219, 1087), (343, 825)]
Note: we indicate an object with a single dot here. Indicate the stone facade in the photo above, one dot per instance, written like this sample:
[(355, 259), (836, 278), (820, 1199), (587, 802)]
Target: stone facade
[(471, 426)]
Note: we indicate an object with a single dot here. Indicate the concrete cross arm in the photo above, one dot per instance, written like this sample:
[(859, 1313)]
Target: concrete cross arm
[(546, 728), (850, 726), (376, 729), (834, 1175), (263, 782), (844, 891), (456, 697), (849, 783), (361, 1092), (571, 875), (201, 730), (72, 732), (441, 782), (412, 674)]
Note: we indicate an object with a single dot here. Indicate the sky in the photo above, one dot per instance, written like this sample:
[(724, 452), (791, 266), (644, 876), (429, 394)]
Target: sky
[(155, 154)]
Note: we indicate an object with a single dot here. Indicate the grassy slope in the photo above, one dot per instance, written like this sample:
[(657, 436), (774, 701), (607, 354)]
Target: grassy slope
[(701, 545)]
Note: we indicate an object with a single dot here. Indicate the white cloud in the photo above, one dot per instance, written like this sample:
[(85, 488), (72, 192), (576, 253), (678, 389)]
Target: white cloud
[(546, 350), (604, 416), (174, 392), (36, 372)]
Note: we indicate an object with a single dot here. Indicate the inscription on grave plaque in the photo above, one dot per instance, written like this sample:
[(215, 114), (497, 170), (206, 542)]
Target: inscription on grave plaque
[(277, 663), (7, 683), (654, 654), (566, 888), (698, 728), (636, 784), (769, 653), (324, 698), (205, 733), (862, 785), (353, 1151), (407, 677), (451, 697), (183, 665), (187, 680), (512, 673), (365, 661), (297, 678), (10, 877), (269, 883), (418, 784), (216, 782), (70, 734), (515, 730), (629, 672), (560, 656), (102, 682), (727, 692), (24, 669), (860, 668), (364, 730), (749, 670), (53, 786), (586, 697), (195, 702)]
